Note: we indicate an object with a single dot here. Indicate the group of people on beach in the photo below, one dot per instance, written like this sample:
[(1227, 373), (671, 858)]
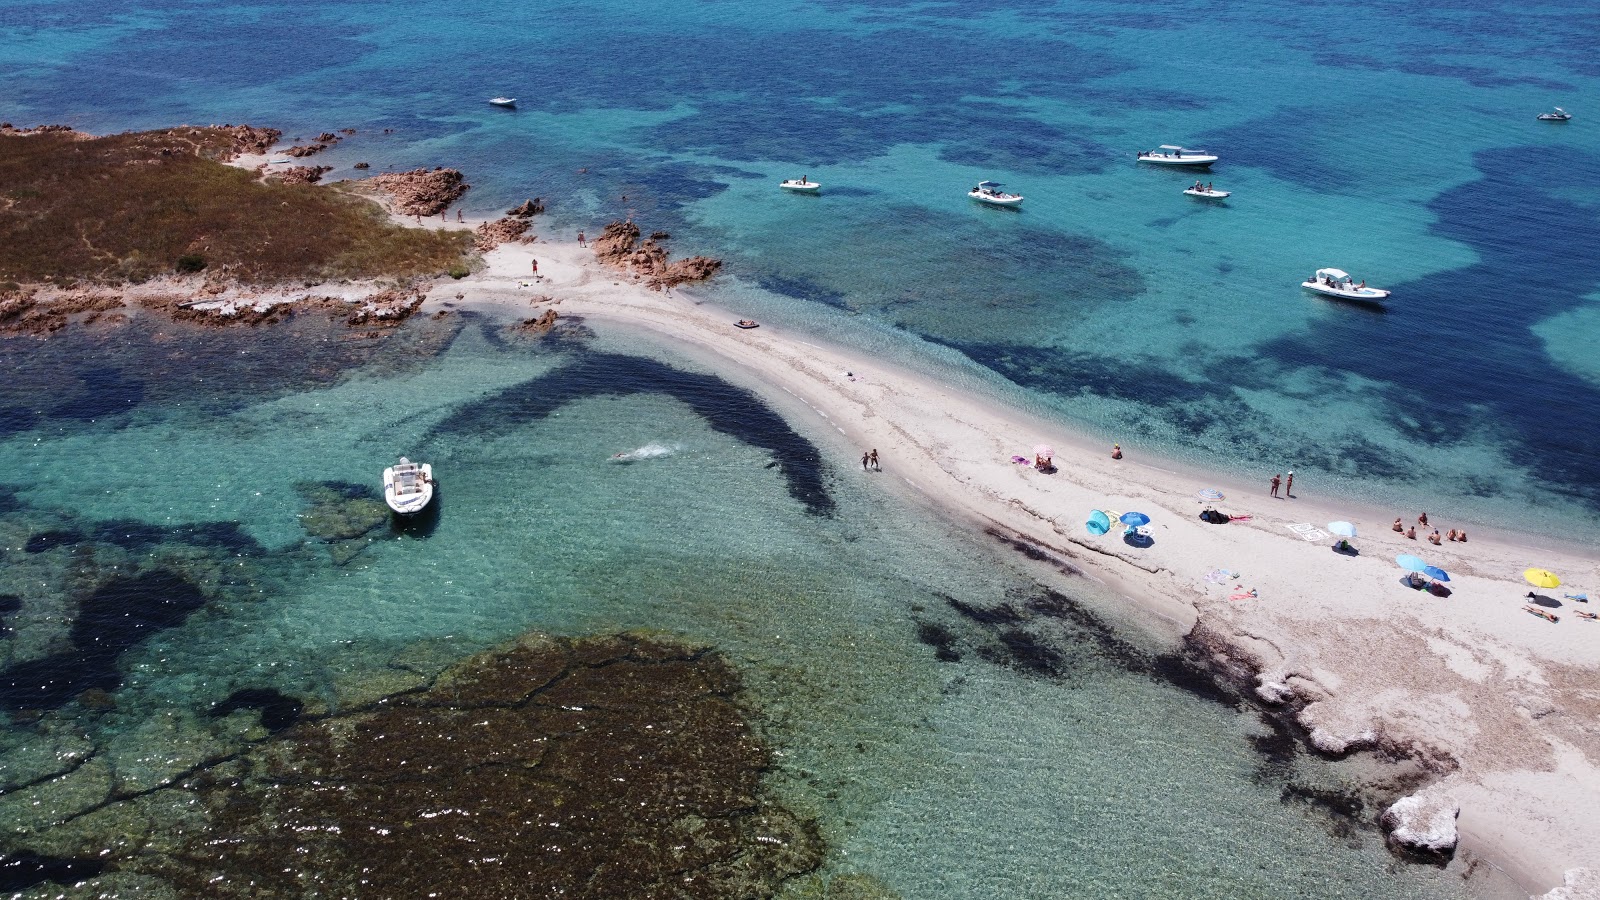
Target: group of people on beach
[(1288, 489), (1454, 535), (870, 461)]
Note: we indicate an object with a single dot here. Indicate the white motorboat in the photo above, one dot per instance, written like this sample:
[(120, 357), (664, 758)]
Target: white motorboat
[(1173, 155), (1207, 192), (989, 192), (408, 486), (801, 184), (1338, 283), (504, 101), (1560, 115)]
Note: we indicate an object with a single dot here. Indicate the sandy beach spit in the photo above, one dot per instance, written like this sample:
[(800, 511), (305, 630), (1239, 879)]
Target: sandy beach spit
[(1497, 710)]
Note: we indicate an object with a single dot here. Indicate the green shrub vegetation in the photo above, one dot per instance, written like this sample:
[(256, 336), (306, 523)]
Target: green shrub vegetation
[(127, 207)]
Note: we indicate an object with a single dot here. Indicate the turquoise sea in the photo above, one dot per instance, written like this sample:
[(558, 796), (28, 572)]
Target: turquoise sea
[(958, 727)]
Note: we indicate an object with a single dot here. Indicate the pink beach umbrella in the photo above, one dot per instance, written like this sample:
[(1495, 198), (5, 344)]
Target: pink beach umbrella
[(1044, 451)]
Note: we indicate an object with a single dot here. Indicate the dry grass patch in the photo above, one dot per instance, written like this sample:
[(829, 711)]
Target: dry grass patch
[(128, 207)]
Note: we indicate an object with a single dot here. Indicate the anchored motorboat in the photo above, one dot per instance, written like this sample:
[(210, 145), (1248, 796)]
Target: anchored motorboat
[(1173, 155), (989, 192), (1560, 115), (1207, 192), (504, 101), (801, 184), (1338, 283), (408, 486)]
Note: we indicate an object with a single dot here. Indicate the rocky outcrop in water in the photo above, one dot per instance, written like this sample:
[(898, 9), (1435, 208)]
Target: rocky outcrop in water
[(619, 247), (301, 151), (492, 234), (421, 192), (528, 209)]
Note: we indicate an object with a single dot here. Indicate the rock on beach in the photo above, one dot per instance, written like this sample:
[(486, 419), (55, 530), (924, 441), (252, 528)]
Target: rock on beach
[(1423, 823)]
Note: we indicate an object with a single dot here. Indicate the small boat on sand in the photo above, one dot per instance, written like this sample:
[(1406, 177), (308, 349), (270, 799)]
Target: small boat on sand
[(747, 323), (1207, 192), (1173, 155), (989, 192), (801, 184), (1560, 115), (1338, 283), (504, 101), (408, 486)]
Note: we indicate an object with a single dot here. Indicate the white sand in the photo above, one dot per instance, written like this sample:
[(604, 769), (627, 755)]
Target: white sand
[(1504, 702)]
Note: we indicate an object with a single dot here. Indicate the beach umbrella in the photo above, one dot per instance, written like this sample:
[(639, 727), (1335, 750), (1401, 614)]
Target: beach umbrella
[(1542, 578), (1410, 563), (1342, 529), (1436, 573), (1044, 451), (1099, 522), (1210, 494), (1134, 519)]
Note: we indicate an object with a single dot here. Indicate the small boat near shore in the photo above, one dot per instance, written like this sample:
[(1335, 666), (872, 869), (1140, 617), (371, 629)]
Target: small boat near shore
[(1173, 155), (508, 102), (408, 486), (1560, 115), (801, 185), (747, 324), (1338, 284), (1207, 192), (989, 192)]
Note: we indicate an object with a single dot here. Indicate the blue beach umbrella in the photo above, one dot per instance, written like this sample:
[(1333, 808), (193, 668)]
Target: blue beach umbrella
[(1134, 519), (1099, 522), (1436, 573), (1410, 563), (1342, 529)]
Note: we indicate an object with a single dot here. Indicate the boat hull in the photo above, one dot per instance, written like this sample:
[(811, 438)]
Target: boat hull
[(809, 187), (408, 504), (997, 201), (1361, 295), (1209, 195), (1194, 161)]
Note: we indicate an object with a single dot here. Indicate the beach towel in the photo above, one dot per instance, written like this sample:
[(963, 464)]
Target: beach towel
[(1219, 576), (1243, 594), (1581, 598), (1021, 460)]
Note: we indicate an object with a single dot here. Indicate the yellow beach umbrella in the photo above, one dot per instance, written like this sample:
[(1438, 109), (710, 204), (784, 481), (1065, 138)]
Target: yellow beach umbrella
[(1542, 578)]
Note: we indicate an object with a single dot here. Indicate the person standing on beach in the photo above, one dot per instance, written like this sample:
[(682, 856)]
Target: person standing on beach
[(535, 267), (458, 216), (1288, 486), (865, 457), (874, 458), (580, 240), (1276, 480)]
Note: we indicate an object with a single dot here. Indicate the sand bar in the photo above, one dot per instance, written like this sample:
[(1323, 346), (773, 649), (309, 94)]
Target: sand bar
[(1502, 707)]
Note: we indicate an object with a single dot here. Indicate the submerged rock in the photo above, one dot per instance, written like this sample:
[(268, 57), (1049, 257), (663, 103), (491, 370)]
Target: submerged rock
[(1423, 823), (604, 767), (340, 511)]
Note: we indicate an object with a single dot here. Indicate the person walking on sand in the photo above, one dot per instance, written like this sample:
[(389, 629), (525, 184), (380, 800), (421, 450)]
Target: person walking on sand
[(865, 457), (875, 460), (1288, 486), (1276, 480)]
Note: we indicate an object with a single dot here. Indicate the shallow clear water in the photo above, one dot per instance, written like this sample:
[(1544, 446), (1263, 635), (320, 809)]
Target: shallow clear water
[(1040, 755), (1393, 141)]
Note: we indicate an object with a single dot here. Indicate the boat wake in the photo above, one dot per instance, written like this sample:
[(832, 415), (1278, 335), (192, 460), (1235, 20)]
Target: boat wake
[(648, 451)]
